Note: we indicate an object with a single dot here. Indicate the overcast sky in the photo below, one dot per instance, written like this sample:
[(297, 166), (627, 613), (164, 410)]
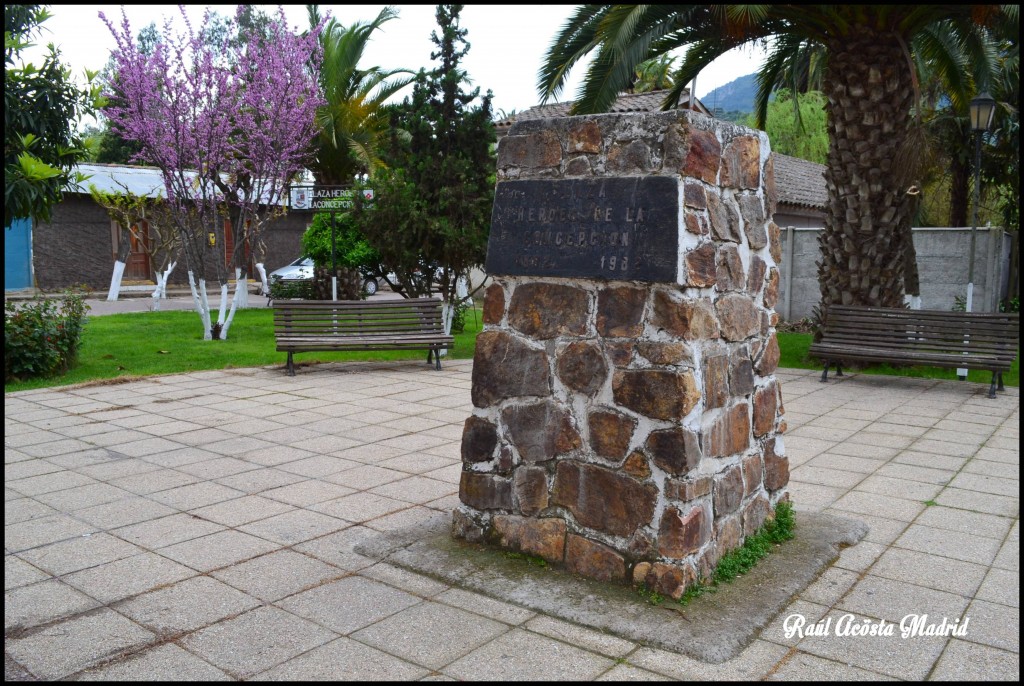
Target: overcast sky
[(507, 42)]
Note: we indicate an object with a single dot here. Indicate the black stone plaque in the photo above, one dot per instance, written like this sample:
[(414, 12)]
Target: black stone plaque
[(624, 228)]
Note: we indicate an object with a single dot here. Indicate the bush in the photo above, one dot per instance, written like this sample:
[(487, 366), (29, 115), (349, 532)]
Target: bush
[(287, 290), (41, 337)]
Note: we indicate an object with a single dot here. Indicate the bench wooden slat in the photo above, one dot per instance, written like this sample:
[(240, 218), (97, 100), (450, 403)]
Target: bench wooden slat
[(410, 324), (939, 338)]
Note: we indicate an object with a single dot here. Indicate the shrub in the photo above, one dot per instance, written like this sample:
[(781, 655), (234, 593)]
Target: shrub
[(41, 337), (286, 290)]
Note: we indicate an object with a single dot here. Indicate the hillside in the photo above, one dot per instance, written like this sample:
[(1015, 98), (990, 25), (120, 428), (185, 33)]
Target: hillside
[(735, 97)]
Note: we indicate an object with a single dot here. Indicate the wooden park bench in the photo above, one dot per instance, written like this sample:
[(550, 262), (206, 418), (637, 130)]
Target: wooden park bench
[(324, 325), (937, 338)]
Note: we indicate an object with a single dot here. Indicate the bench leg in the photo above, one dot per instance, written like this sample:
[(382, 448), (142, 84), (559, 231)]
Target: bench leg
[(992, 386), (839, 368), (430, 352), (1001, 387), (824, 374), (437, 358), (291, 365)]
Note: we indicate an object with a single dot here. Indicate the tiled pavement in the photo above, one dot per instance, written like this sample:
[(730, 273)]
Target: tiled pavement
[(202, 526)]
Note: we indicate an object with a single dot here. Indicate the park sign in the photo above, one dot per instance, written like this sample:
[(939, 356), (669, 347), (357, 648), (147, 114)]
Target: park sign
[(325, 198)]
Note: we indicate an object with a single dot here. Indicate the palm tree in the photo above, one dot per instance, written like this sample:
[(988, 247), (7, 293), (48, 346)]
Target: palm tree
[(654, 75), (355, 121), (869, 82)]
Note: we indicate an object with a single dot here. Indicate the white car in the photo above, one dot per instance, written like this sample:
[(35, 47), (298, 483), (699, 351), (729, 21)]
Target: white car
[(299, 270)]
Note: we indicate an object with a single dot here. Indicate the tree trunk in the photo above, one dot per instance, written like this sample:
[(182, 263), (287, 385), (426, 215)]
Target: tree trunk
[(869, 91)]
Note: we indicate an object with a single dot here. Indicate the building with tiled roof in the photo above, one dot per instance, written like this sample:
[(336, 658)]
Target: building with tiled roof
[(802, 193)]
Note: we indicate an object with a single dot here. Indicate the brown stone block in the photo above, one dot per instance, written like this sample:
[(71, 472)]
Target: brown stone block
[(771, 192), (530, 485), (670, 580), (610, 433), (619, 352), (582, 367), (585, 137), (755, 513), (716, 381), (620, 312), (676, 450), (771, 291), (701, 269), (727, 432), (633, 157), (703, 156), (578, 166), (725, 220), (603, 499), (532, 151), (775, 242), (738, 316), (545, 538), (665, 353), (641, 545), (636, 465), (479, 438), (695, 224), (494, 304), (687, 489), (681, 534), (505, 366), (741, 163), (684, 318), (776, 467), (729, 273), (593, 560), (769, 360), (741, 372), (752, 212), (505, 460), (766, 403), (728, 491), (752, 473), (640, 572), (695, 196), (485, 492), (547, 310), (541, 431), (655, 393), (755, 279), (728, 534)]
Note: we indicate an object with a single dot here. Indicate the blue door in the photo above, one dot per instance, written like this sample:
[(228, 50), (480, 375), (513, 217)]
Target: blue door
[(18, 255)]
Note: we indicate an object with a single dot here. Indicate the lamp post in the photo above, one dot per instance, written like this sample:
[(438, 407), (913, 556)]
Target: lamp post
[(983, 108)]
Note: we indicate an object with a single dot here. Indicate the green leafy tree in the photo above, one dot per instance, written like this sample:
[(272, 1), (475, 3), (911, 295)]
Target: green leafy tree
[(869, 83), (796, 125), (41, 108), (432, 208)]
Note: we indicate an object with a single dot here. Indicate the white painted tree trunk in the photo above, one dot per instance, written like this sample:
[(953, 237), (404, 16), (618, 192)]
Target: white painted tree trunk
[(202, 306), (241, 289), (167, 277), (223, 311), (155, 295), (115, 281), (446, 320), (263, 278)]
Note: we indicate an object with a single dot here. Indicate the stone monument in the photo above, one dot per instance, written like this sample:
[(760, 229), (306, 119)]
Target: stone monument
[(627, 422)]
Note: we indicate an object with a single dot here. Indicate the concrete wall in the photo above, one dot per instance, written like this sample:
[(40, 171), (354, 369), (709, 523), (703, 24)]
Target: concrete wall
[(942, 256)]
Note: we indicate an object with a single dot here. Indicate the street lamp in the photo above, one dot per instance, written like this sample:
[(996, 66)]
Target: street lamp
[(983, 108)]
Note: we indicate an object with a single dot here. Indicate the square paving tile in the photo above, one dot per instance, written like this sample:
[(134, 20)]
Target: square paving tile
[(892, 600), (218, 550), (17, 573), (952, 576), (360, 507), (242, 510), (294, 526), (994, 625), (79, 553), (414, 489), (525, 656), (41, 531), (308, 492), (163, 663), (462, 631), (970, 662), (196, 495), (1001, 586), (72, 645), (128, 577), (811, 668), (349, 604), (954, 544), (750, 665), (165, 531), (279, 574), (270, 636), (344, 660), (39, 603), (187, 605)]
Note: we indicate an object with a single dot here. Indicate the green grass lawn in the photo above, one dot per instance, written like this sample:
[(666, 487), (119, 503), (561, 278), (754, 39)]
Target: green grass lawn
[(148, 343)]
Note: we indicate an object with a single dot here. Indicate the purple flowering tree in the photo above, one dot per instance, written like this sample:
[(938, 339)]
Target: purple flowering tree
[(229, 126)]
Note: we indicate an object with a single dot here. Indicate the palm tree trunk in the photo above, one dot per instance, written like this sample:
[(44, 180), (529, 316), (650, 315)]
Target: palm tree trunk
[(869, 90)]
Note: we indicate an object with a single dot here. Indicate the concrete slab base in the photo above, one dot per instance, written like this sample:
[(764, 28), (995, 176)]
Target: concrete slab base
[(713, 628)]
